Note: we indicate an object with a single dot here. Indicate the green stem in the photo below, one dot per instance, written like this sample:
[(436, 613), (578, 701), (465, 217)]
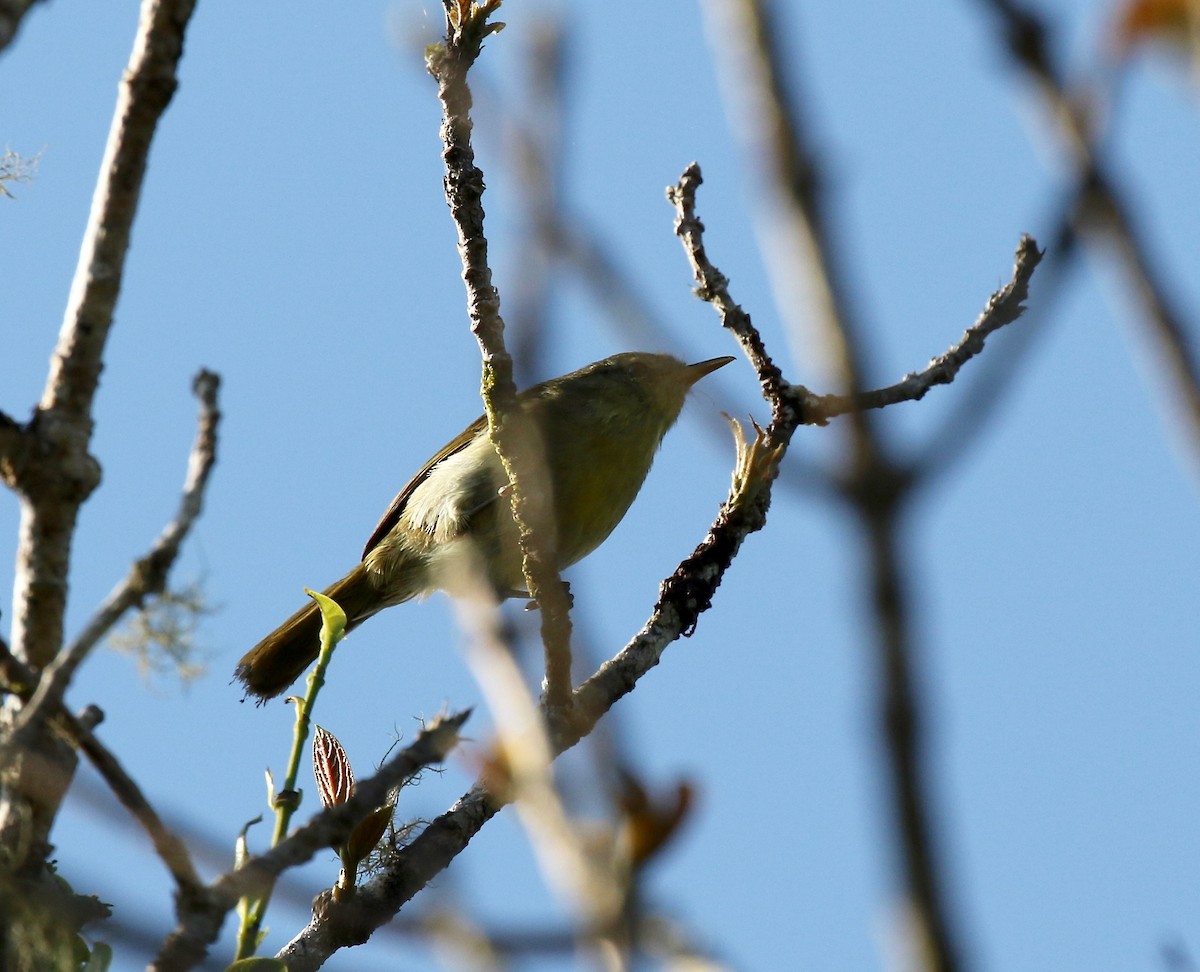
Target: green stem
[(287, 801)]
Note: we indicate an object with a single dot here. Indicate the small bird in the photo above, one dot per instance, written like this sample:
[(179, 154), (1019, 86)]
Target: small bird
[(452, 524)]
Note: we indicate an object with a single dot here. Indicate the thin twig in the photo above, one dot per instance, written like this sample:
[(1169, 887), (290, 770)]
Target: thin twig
[(512, 434), (713, 287), (1002, 308), (148, 576), (948, 444)]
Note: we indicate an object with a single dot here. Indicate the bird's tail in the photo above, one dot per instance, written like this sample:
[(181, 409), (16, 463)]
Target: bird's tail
[(268, 668)]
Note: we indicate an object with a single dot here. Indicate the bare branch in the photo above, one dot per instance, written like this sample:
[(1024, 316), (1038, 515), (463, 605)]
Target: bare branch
[(1004, 307), (380, 898), (145, 91), (148, 576), (512, 435), (962, 428), (713, 287), (689, 591)]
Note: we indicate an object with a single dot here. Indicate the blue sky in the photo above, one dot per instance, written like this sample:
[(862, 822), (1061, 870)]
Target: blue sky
[(293, 236)]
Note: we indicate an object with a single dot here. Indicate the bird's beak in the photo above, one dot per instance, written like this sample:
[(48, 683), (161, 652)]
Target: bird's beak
[(701, 368)]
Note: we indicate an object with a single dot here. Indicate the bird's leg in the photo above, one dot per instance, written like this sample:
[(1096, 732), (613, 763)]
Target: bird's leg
[(532, 603)]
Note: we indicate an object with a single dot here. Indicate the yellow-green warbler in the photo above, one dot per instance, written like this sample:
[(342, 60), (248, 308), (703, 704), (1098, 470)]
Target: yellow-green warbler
[(452, 525)]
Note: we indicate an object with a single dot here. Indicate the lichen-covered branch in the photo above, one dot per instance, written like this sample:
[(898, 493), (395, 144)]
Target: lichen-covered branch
[(515, 439), (875, 489), (713, 288)]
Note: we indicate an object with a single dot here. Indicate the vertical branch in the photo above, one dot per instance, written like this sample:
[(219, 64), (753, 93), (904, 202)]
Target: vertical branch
[(515, 439), (928, 935), (523, 756), (62, 474)]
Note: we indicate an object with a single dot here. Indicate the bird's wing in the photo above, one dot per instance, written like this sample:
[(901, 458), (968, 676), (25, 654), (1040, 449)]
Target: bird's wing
[(392, 516)]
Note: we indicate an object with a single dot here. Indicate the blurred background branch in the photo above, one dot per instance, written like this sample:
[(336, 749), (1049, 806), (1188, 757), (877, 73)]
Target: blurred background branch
[(1100, 207)]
